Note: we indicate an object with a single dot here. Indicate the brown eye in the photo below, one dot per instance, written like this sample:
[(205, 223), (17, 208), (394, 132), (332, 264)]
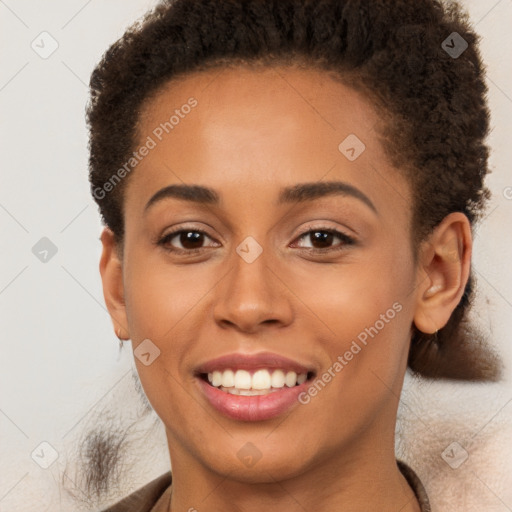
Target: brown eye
[(188, 240), (322, 239)]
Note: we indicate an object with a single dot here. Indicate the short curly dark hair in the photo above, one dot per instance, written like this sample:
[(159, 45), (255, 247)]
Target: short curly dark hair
[(399, 53)]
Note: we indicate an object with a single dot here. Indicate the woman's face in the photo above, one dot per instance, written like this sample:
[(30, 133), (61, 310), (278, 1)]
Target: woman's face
[(269, 275)]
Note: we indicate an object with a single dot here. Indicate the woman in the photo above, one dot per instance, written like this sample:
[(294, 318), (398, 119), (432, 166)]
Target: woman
[(289, 190)]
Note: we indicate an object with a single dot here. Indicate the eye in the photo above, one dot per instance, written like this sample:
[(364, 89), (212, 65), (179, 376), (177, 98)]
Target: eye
[(323, 237), (191, 240)]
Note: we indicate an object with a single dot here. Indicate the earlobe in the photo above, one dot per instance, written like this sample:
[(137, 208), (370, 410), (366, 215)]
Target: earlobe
[(444, 268), (111, 270)]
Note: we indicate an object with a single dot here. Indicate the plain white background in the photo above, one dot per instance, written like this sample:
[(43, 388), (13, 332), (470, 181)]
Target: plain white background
[(60, 356)]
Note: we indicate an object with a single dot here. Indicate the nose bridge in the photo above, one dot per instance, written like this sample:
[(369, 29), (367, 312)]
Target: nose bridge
[(251, 294)]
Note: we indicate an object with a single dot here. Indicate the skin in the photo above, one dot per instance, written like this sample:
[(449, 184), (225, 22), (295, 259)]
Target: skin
[(252, 133)]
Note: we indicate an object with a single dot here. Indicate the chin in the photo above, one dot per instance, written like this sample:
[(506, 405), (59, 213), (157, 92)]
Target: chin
[(251, 466)]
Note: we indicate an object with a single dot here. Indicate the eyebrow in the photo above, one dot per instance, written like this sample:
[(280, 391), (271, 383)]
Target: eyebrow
[(299, 193)]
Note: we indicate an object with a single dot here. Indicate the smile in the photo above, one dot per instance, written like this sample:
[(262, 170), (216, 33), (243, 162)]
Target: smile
[(253, 387)]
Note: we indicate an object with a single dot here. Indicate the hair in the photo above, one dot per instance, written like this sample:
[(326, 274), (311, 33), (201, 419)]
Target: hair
[(433, 108)]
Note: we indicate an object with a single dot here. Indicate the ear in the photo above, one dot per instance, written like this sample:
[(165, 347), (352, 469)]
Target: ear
[(444, 268), (111, 270)]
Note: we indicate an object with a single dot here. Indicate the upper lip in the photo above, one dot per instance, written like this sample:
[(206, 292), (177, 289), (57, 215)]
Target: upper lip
[(252, 362)]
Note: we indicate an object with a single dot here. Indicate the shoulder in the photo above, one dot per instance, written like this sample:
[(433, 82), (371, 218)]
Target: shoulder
[(143, 499)]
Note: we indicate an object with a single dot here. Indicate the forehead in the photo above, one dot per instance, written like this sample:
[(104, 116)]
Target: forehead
[(263, 98), (259, 127)]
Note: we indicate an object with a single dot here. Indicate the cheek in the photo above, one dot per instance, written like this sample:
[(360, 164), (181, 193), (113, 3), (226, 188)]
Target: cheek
[(162, 304), (352, 296), (160, 296), (366, 310)]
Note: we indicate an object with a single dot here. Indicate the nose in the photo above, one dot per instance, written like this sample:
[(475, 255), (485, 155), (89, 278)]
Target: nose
[(253, 295)]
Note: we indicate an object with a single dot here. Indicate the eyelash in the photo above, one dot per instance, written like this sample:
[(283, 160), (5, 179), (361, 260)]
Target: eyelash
[(346, 240)]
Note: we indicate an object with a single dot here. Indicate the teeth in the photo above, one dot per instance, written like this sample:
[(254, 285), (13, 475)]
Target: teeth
[(278, 379), (216, 379), (262, 381), (228, 379), (247, 392), (242, 379), (290, 379)]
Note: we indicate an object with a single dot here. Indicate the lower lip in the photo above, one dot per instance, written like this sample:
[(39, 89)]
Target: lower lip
[(252, 408)]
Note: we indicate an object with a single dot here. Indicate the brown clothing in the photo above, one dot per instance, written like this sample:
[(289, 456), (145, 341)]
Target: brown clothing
[(156, 495)]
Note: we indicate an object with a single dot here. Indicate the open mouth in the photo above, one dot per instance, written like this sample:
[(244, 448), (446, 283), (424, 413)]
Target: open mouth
[(258, 382)]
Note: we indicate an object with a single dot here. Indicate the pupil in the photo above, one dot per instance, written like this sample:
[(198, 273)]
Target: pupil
[(323, 238), (190, 237)]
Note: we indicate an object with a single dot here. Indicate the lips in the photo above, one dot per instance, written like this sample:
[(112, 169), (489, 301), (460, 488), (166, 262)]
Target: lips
[(265, 405)]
